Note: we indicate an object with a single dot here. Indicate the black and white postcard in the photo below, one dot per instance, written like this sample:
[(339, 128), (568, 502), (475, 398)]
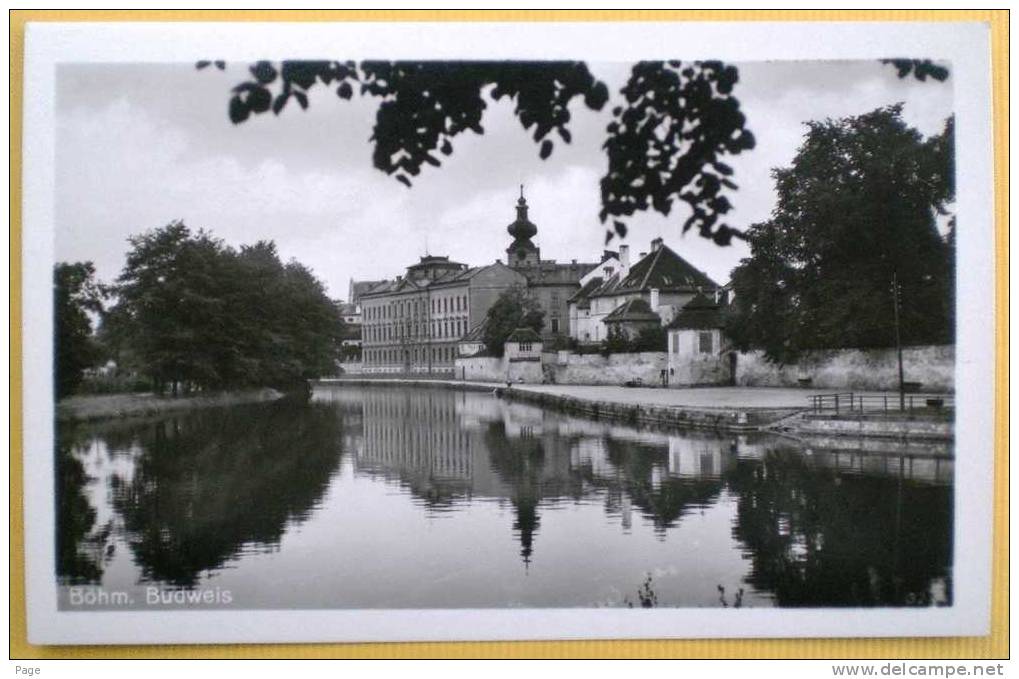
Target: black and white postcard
[(463, 331)]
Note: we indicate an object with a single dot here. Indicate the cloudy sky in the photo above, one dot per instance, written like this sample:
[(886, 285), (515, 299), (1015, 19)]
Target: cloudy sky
[(141, 145)]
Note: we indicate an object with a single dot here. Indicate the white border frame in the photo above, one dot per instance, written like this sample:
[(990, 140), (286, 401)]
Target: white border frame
[(965, 45)]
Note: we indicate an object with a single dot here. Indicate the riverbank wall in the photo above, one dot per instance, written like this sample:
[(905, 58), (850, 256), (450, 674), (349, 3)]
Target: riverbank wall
[(931, 368), (914, 427), (110, 406), (723, 419), (734, 417)]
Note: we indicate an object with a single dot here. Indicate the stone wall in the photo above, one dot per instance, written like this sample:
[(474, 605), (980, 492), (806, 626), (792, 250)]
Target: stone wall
[(489, 369), (853, 369), (566, 368), (569, 368)]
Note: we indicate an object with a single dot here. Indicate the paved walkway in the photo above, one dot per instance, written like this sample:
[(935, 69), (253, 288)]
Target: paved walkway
[(699, 397)]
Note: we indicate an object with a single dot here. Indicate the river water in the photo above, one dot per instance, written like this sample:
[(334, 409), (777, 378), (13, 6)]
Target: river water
[(387, 497)]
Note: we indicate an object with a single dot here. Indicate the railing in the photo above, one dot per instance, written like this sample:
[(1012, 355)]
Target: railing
[(850, 402)]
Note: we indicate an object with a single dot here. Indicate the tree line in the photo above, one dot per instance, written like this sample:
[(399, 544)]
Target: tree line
[(862, 217), (189, 312)]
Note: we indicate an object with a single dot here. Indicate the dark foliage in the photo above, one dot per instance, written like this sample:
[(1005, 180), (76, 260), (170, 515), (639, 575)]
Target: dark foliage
[(76, 294), (194, 312), (513, 309), (921, 69), (665, 142), (620, 341), (858, 206)]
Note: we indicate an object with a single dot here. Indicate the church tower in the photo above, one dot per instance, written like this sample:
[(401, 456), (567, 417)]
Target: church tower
[(522, 252)]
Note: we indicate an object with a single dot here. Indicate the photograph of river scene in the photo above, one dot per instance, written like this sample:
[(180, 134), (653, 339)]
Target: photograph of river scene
[(436, 335), (423, 497)]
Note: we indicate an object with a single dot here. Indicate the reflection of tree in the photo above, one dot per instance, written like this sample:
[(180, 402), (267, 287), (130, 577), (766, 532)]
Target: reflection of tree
[(520, 463), (820, 539), (209, 482), (79, 548), (666, 500)]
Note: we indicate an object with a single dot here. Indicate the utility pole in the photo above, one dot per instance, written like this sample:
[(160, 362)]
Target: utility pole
[(898, 340)]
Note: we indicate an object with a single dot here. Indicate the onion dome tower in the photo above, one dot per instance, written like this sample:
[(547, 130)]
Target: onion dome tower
[(522, 252)]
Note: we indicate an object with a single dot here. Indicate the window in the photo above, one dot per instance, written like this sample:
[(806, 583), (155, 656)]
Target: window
[(706, 342), (555, 325), (675, 342)]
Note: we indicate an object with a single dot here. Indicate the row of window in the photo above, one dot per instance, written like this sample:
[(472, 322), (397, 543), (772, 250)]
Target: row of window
[(456, 327), (414, 307), (415, 355)]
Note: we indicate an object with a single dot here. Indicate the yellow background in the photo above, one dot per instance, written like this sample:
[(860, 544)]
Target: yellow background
[(993, 646)]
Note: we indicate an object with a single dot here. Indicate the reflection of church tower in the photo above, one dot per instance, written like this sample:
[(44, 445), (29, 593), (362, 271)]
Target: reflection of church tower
[(527, 523), (522, 252)]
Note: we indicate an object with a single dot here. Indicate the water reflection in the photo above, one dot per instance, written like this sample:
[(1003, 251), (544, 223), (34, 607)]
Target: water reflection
[(590, 508), (200, 488)]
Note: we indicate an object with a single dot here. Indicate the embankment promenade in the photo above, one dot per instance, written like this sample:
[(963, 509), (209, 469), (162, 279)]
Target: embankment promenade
[(723, 408)]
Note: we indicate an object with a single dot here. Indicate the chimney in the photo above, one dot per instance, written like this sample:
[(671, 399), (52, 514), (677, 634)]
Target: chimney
[(624, 260), (654, 300), (656, 244), (641, 256)]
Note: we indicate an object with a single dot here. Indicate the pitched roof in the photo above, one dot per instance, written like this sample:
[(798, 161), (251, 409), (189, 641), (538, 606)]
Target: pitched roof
[(700, 313), (523, 335), (662, 269), (358, 288), (477, 333), (633, 310), (582, 297)]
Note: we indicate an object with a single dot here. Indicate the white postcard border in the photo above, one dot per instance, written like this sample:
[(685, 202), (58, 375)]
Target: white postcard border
[(965, 45)]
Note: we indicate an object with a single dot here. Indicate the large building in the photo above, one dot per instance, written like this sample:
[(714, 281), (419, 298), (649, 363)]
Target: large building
[(414, 323), (661, 281)]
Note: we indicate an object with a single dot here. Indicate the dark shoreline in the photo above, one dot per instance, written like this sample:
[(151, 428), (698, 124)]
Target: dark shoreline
[(112, 406)]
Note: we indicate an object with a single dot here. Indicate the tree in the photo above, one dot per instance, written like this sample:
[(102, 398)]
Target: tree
[(617, 341), (666, 144), (513, 309), (859, 205), (76, 295), (196, 312)]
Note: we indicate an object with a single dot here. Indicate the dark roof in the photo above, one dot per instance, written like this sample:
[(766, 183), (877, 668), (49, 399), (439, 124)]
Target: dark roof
[(662, 269), (358, 288), (450, 277), (700, 313), (523, 335), (582, 296), (550, 272), (477, 333), (633, 310)]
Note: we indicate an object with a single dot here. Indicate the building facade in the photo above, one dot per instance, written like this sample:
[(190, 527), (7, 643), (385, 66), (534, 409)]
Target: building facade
[(661, 278), (416, 322), (413, 324)]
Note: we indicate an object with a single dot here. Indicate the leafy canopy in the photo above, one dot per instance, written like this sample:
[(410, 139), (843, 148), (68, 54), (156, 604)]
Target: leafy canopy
[(513, 309), (666, 141), (666, 144), (859, 206), (192, 310), (77, 294)]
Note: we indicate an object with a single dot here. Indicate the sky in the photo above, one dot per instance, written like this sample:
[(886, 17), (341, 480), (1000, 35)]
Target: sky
[(141, 145)]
